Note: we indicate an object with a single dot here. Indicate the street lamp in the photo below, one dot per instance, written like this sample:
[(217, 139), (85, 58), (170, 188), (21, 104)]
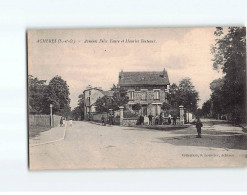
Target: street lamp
[(51, 114)]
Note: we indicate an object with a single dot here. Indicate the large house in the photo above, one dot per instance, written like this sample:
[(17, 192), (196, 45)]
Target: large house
[(146, 88), (91, 94)]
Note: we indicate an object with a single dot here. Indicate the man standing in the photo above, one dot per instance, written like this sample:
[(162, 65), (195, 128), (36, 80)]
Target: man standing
[(150, 117), (174, 120), (141, 120), (103, 120), (199, 127)]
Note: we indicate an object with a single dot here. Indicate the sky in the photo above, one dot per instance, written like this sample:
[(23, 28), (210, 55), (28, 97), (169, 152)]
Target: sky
[(85, 60)]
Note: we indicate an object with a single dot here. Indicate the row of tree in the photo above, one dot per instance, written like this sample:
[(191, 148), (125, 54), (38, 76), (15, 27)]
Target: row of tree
[(41, 95), (229, 92)]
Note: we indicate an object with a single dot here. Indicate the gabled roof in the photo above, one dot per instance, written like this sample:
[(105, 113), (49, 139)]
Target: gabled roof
[(143, 78)]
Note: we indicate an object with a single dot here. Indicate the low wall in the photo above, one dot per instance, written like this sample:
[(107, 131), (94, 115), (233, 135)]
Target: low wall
[(44, 120), (129, 122), (97, 117)]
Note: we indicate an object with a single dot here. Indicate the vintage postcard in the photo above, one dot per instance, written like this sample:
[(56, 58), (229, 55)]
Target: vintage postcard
[(137, 98)]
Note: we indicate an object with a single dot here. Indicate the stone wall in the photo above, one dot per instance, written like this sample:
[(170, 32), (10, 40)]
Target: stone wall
[(44, 120)]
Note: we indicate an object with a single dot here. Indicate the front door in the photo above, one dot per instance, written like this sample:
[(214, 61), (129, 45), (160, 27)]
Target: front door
[(144, 110)]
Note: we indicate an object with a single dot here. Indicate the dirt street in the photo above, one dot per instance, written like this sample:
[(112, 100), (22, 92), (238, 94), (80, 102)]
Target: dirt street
[(87, 145)]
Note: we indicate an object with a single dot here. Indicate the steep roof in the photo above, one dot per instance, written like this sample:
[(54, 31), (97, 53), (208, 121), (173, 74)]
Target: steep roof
[(143, 78)]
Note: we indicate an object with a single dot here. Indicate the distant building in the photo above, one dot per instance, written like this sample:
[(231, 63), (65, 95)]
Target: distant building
[(91, 95), (146, 88)]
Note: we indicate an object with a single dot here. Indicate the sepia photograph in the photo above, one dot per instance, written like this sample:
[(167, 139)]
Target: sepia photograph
[(119, 98)]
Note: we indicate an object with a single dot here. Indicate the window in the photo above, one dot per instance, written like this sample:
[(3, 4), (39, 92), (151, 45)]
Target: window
[(131, 95), (144, 95), (156, 94)]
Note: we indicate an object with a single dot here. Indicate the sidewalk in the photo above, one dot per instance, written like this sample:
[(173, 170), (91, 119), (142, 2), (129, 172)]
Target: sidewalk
[(53, 134)]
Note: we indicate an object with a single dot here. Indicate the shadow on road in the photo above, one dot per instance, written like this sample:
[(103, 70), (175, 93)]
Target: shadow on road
[(157, 128), (214, 139)]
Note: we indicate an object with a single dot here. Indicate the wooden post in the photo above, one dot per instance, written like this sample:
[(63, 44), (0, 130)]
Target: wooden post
[(51, 115), (121, 114)]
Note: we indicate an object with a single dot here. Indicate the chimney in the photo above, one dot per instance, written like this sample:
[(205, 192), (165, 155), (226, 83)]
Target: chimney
[(121, 74), (164, 73)]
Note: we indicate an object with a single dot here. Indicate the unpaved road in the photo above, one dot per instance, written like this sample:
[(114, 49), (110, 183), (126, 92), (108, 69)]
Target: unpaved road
[(93, 146)]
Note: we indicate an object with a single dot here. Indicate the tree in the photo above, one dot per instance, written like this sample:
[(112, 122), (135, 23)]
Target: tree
[(78, 112), (136, 107), (188, 96), (217, 97), (36, 89), (198, 112), (57, 94), (183, 94), (173, 95), (166, 106), (118, 99), (206, 108), (229, 53), (103, 104)]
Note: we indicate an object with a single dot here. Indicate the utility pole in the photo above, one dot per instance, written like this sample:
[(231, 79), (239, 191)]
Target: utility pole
[(51, 115)]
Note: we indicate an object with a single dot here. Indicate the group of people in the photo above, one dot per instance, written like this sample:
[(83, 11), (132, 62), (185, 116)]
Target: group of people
[(160, 119), (63, 122)]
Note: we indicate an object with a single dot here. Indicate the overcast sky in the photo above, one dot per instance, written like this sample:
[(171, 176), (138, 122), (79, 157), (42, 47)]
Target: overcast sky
[(184, 52)]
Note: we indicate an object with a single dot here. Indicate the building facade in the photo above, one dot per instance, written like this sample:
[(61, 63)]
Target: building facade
[(91, 94), (149, 89)]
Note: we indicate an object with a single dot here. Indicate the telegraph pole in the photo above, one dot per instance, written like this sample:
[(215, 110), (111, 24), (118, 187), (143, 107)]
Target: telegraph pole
[(51, 115)]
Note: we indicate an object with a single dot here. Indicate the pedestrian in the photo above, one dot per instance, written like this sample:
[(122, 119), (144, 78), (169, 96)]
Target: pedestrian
[(169, 119), (161, 118), (199, 127), (61, 121), (156, 119), (70, 122), (64, 121), (103, 120), (141, 120), (150, 117), (174, 120)]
